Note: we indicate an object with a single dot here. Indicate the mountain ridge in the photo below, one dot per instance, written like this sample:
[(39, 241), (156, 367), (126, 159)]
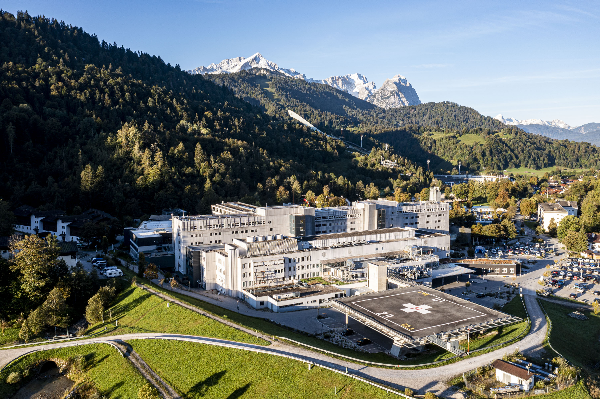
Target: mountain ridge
[(393, 93), (556, 129)]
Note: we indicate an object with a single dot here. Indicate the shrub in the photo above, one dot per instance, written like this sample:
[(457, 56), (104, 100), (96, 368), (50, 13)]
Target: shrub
[(14, 377), (430, 395), (408, 392), (148, 392)]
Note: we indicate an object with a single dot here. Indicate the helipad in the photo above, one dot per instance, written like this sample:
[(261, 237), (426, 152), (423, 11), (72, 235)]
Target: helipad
[(419, 311)]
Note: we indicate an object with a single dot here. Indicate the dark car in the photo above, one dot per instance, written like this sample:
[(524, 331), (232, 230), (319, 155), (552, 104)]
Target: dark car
[(573, 295), (348, 332), (479, 296), (363, 341), (597, 293)]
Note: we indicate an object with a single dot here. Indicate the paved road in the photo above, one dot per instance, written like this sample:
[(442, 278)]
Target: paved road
[(420, 380)]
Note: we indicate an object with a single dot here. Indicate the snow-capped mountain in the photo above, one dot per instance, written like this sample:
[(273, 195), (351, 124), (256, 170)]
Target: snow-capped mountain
[(394, 93), (237, 64), (556, 129), (355, 84), (554, 123)]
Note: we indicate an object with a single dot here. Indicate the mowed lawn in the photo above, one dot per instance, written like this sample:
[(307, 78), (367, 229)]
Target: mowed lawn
[(540, 172), (110, 372), (137, 311), (204, 371), (577, 340)]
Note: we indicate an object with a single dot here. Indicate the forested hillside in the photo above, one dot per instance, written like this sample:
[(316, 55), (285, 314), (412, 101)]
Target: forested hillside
[(445, 132), (84, 123)]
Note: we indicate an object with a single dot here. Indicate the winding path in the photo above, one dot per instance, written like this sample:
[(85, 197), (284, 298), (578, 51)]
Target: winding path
[(419, 380)]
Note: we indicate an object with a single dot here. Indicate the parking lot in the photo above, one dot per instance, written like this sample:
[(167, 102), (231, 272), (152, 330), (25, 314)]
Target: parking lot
[(574, 278)]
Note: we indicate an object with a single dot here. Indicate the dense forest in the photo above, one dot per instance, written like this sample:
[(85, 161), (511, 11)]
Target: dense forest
[(84, 123), (442, 132)]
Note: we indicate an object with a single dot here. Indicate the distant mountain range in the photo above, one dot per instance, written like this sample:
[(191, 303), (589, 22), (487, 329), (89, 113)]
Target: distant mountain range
[(556, 129), (393, 93)]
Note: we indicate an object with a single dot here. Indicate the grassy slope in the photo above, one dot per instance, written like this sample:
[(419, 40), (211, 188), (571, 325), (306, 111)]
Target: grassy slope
[(577, 340), (540, 172), (139, 312), (108, 370), (201, 371), (577, 391), (471, 139), (10, 336), (275, 330)]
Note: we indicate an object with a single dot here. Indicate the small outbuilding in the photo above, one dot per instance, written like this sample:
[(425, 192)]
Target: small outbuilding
[(512, 374)]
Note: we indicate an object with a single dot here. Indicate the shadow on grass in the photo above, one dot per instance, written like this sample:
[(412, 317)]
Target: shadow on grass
[(109, 392), (202, 387), (92, 362), (239, 392), (121, 310), (128, 307)]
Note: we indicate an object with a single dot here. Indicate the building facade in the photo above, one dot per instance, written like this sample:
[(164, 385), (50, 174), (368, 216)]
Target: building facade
[(555, 211), (235, 220), (257, 262)]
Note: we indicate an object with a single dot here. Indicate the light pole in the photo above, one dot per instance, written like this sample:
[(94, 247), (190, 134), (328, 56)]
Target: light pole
[(459, 164), (428, 165)]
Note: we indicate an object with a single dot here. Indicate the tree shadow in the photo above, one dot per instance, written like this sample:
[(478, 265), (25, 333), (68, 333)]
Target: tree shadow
[(202, 387), (126, 308), (239, 392), (94, 362), (109, 392)]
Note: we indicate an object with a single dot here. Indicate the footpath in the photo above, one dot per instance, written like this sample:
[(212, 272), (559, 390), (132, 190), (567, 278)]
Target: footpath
[(418, 380)]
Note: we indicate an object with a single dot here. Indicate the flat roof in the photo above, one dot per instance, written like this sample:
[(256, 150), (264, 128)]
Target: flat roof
[(361, 233), (310, 290), (420, 311)]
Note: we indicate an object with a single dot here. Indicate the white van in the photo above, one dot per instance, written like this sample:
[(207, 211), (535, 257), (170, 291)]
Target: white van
[(114, 273), (108, 268)]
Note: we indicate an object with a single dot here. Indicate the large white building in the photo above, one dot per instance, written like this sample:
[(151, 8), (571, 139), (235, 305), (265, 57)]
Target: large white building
[(556, 211), (257, 262), (236, 220)]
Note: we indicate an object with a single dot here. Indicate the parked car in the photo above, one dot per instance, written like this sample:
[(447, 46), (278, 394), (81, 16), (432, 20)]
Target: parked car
[(347, 332), (573, 295), (363, 341)]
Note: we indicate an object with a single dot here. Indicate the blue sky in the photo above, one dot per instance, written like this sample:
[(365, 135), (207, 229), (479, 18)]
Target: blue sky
[(533, 59)]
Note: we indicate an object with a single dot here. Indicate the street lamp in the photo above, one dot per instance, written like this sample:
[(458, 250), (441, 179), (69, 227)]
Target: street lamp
[(428, 165), (459, 164)]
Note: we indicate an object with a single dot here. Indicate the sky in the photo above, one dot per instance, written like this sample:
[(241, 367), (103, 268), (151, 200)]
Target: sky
[(522, 59)]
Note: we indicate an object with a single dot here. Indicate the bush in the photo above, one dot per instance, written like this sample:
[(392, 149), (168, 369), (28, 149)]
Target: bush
[(408, 392), (430, 395), (14, 378), (148, 392)]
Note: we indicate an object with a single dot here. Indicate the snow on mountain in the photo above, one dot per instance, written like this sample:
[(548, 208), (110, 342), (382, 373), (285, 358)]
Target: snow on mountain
[(237, 64), (554, 123), (355, 84), (556, 129), (394, 93)]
